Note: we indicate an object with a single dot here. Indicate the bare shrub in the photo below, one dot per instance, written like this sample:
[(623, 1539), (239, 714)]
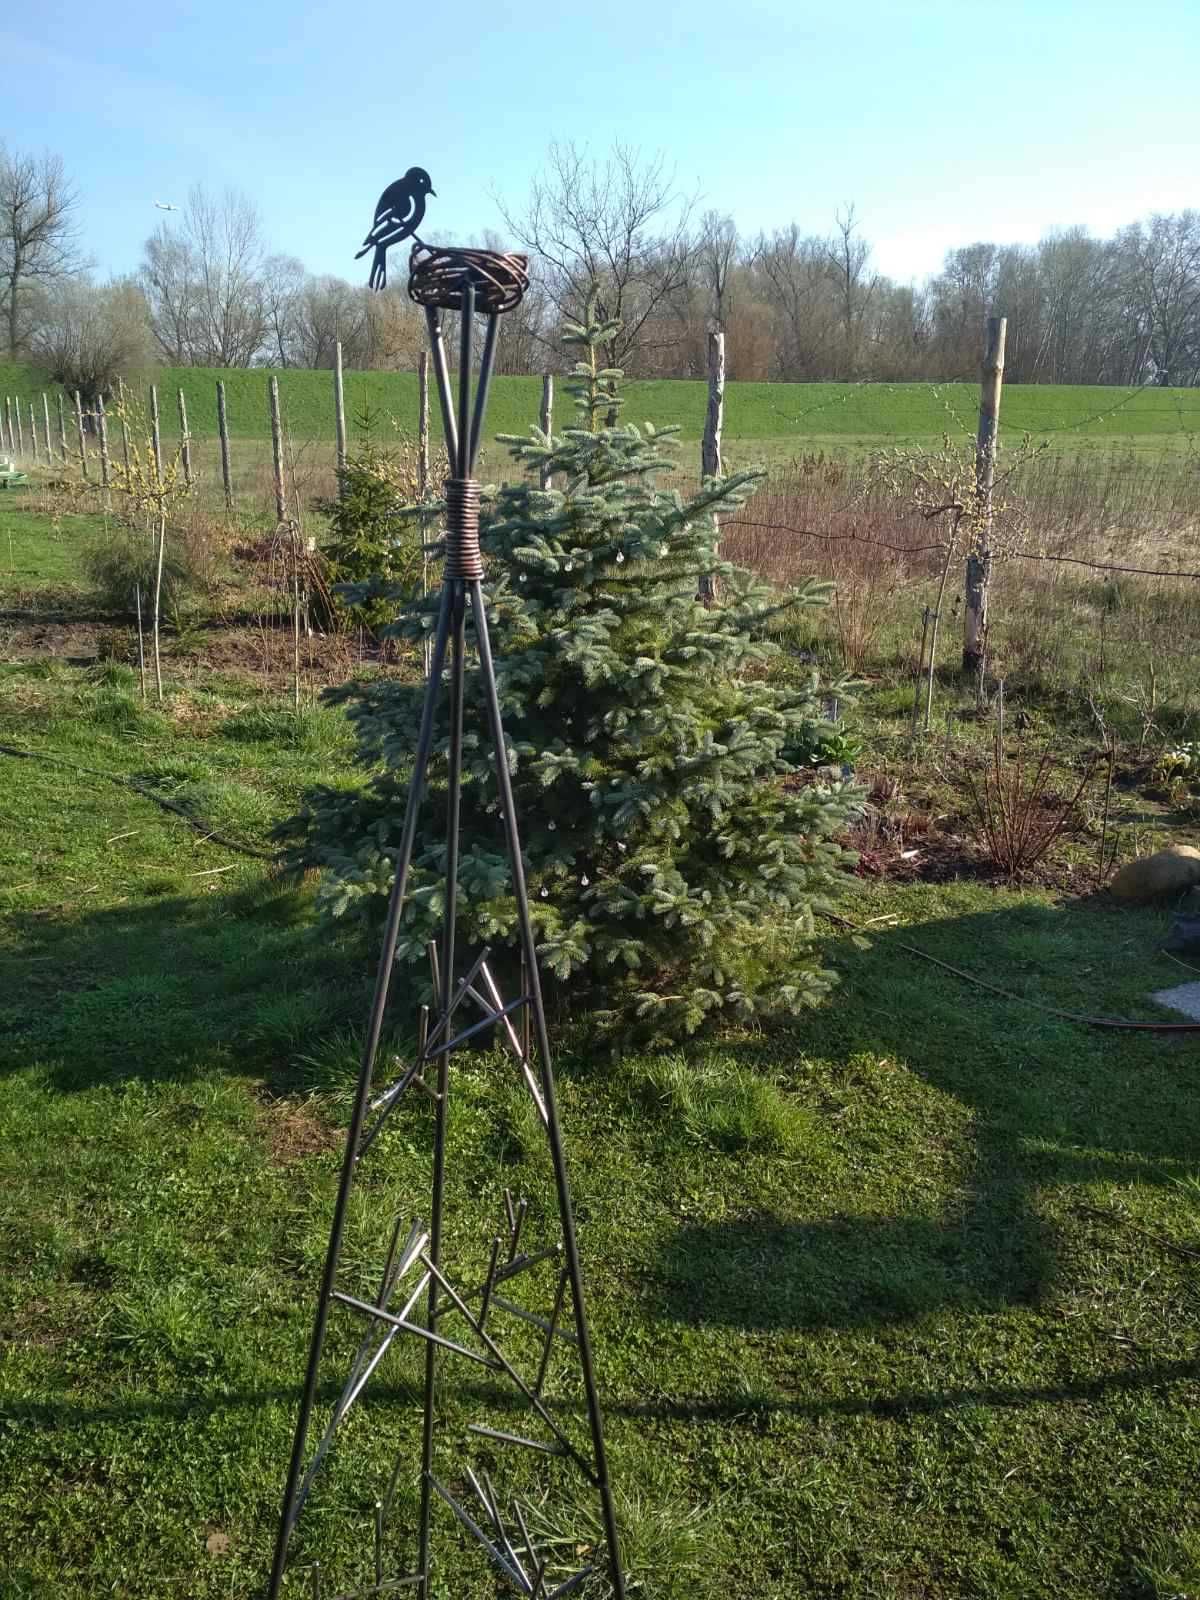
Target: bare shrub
[(1021, 809)]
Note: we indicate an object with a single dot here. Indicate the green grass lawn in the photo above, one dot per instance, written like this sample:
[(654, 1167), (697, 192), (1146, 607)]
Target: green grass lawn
[(899, 1302), (788, 415)]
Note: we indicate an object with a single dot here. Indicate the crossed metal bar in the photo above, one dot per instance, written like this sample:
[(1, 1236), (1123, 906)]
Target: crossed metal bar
[(421, 1255)]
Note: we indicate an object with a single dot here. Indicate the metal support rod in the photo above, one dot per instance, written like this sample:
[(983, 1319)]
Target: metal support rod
[(441, 373), (486, 363), (553, 1131), (463, 467), (366, 1068), (456, 599)]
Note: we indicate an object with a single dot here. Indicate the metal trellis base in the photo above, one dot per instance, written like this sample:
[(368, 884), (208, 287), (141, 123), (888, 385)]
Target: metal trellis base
[(470, 282)]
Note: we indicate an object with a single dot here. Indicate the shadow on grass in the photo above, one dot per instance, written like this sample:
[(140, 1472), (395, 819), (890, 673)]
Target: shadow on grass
[(169, 987), (1048, 1104), (747, 1410)]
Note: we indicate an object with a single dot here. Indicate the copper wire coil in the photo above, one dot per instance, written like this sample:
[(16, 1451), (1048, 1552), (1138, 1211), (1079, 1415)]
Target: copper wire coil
[(463, 558), (438, 276)]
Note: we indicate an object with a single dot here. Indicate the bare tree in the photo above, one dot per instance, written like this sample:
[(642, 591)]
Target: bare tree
[(283, 283), (38, 238), (205, 280), (793, 272), (1162, 271), (715, 255), (89, 335), (618, 223), (848, 254)]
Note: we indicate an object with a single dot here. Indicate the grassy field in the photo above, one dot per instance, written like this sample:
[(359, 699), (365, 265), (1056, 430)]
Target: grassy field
[(782, 416), (898, 1302)]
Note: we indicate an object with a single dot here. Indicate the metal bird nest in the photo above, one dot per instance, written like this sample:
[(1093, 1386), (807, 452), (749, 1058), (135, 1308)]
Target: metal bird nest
[(437, 276)]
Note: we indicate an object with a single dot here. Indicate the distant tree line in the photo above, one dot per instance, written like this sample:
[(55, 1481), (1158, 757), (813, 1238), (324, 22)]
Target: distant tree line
[(793, 305)]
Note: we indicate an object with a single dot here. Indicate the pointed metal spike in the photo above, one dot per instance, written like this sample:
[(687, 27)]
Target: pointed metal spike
[(515, 1438), (510, 1269), (415, 1327), (460, 994), (432, 1051), (497, 1000), (531, 1317), (473, 1527), (571, 1584), (529, 1549), (550, 1332), (379, 1541), (515, 1236), (489, 1283)]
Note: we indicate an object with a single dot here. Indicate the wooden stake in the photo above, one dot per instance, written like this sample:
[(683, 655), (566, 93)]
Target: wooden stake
[(33, 438), (6, 429), (62, 428), (223, 430), (20, 429), (339, 412), (83, 460), (124, 425), (979, 557), (547, 420), (156, 433), (137, 594), (46, 416), (185, 439), (423, 424), (277, 451), (102, 426), (710, 449)]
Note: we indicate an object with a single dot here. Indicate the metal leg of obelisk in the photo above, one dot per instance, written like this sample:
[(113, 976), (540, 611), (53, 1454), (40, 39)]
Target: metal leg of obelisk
[(291, 1510), (549, 1098)]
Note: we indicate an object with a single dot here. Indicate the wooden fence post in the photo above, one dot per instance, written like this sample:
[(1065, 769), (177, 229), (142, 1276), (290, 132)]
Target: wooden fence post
[(20, 428), (46, 417), (102, 426), (710, 449), (547, 420), (62, 429), (83, 461), (185, 439), (423, 424), (277, 451), (339, 412), (156, 433), (124, 414), (979, 558), (33, 438), (6, 431), (223, 430)]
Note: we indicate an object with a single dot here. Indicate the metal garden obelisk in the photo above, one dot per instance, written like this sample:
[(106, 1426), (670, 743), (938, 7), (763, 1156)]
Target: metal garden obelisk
[(419, 1294)]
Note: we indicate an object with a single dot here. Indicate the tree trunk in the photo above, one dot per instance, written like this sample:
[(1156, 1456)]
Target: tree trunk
[(710, 450), (979, 557), (158, 572)]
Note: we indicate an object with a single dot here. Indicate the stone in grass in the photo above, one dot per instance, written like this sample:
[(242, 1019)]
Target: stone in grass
[(1184, 934), (1185, 999), (1159, 876)]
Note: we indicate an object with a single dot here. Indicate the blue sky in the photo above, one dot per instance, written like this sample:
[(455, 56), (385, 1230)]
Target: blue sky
[(944, 121)]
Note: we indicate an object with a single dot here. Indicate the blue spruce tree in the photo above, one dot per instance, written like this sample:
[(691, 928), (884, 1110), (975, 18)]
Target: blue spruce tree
[(676, 849)]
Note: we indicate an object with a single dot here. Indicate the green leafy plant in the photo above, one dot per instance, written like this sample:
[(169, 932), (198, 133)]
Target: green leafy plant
[(373, 548), (665, 852)]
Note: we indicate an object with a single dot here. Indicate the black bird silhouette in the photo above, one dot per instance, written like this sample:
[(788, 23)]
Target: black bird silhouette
[(397, 216)]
